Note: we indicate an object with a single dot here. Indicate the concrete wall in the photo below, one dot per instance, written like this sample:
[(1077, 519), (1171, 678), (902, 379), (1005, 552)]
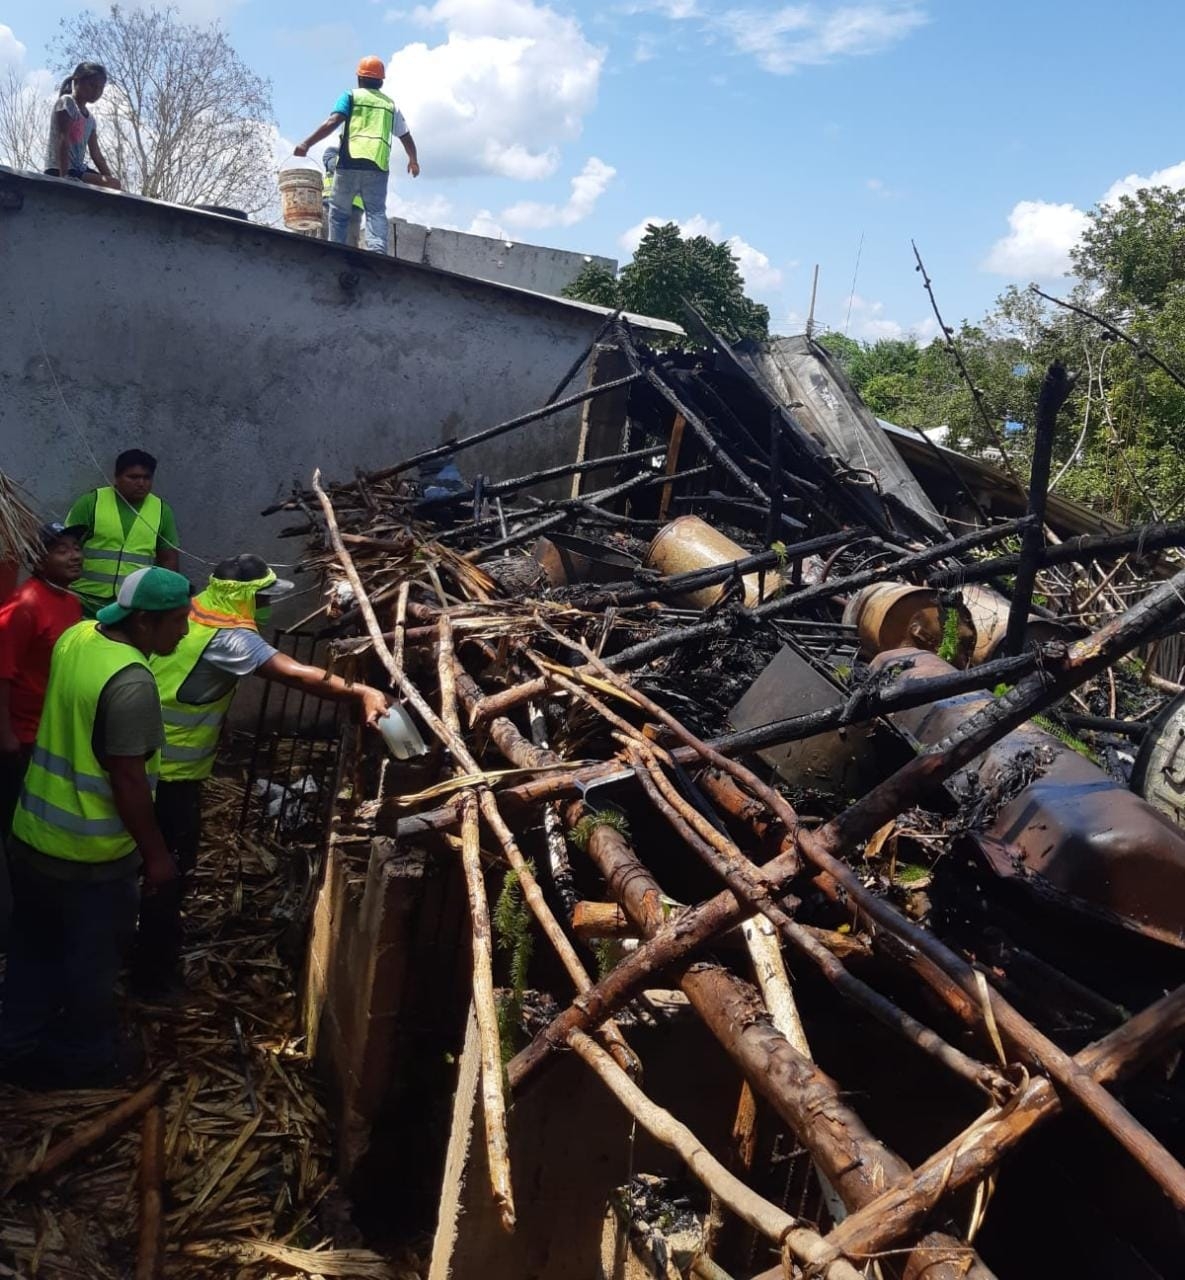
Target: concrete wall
[(527, 266), (244, 357)]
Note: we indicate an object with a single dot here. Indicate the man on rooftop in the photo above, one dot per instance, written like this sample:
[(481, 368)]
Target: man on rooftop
[(371, 119)]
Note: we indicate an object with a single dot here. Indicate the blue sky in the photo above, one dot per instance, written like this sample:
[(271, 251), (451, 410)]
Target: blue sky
[(982, 130)]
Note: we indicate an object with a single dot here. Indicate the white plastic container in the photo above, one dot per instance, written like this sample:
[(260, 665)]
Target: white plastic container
[(301, 186), (401, 735)]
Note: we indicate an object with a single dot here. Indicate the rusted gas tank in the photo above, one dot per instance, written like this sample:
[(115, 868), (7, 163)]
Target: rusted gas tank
[(989, 614), (691, 543), (1074, 833), (892, 615)]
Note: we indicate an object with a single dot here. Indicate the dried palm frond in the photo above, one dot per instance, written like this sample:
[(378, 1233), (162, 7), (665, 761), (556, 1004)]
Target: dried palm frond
[(18, 524)]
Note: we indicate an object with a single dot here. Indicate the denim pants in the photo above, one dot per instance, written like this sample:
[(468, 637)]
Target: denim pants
[(371, 185), (157, 960), (68, 943)]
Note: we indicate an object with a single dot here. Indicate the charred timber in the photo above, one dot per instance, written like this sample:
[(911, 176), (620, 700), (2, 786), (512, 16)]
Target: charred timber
[(807, 1100), (1055, 387), (951, 976), (495, 488), (1082, 550)]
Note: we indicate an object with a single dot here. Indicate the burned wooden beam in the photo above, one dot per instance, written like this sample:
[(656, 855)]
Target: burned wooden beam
[(972, 1154), (495, 488), (1086, 549), (1054, 389), (948, 974)]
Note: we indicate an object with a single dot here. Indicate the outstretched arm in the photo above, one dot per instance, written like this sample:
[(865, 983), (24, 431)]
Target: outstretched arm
[(335, 121), (319, 683)]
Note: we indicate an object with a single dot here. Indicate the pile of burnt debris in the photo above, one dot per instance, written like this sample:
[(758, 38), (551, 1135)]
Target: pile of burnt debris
[(879, 777)]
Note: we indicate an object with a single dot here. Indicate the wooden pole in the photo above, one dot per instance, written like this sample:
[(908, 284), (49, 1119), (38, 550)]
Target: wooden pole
[(532, 894), (493, 1101), (151, 1249), (94, 1133), (673, 448), (774, 1223), (948, 974), (967, 1158)]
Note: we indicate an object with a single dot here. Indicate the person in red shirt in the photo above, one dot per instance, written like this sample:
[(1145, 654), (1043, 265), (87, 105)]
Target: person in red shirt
[(30, 623)]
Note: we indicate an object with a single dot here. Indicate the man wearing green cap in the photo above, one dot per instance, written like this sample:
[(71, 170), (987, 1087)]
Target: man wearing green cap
[(83, 829), (197, 683)]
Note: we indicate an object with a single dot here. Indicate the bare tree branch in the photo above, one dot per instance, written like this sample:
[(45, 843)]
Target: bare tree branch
[(184, 119), (24, 121)]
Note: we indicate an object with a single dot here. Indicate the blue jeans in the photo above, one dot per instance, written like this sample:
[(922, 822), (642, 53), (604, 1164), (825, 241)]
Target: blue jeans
[(371, 185), (68, 943)]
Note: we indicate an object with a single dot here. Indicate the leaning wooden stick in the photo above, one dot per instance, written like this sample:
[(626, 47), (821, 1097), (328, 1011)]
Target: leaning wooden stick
[(946, 972), (92, 1135), (774, 1223), (532, 894), (151, 1251), (896, 1214), (485, 1010)]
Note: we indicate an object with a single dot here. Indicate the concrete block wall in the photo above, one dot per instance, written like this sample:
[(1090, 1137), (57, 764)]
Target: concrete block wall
[(526, 266)]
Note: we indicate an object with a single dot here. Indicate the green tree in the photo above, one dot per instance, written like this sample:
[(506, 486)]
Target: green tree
[(668, 267), (1134, 250)]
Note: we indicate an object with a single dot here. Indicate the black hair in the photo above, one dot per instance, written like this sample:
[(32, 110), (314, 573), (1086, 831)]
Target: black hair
[(370, 82), (134, 458), (84, 71), (244, 568)]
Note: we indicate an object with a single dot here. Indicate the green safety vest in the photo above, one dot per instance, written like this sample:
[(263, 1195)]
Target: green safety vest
[(66, 809), (327, 191), (107, 558), (191, 729), (368, 130)]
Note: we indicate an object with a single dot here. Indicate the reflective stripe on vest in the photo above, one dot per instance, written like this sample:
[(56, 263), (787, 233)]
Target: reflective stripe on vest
[(107, 555), (191, 729), (368, 130), (67, 809)]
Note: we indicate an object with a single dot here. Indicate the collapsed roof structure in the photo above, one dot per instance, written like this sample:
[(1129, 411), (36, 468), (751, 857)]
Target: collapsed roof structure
[(732, 706)]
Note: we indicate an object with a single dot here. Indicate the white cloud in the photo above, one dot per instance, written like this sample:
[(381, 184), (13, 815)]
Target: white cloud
[(510, 84), (12, 52), (1173, 176), (761, 277), (676, 10), (484, 223), (587, 188), (644, 49), (870, 324), (806, 35), (433, 211), (1039, 240), (1042, 233)]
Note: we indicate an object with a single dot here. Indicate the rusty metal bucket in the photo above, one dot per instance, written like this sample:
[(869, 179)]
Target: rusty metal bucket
[(690, 543), (566, 558), (894, 615)]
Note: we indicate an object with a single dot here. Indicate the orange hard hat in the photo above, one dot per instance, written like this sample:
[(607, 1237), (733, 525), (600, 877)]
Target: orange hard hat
[(372, 68)]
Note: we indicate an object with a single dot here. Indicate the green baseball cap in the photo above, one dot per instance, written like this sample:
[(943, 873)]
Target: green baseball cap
[(155, 590)]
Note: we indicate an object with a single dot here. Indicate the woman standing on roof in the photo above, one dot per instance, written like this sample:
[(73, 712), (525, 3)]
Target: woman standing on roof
[(72, 129)]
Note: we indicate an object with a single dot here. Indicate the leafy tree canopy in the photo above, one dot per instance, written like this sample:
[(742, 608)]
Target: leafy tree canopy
[(668, 267)]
